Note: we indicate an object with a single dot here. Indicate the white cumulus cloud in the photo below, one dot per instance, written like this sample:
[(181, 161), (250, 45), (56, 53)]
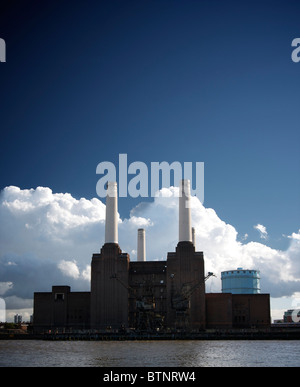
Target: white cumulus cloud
[(48, 239), (262, 230), (69, 268)]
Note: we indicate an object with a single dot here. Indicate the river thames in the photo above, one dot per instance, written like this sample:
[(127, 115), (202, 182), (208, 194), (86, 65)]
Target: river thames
[(185, 353)]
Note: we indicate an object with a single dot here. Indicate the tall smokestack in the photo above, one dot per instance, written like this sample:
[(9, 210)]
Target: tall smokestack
[(185, 230), (111, 221), (193, 236), (141, 245)]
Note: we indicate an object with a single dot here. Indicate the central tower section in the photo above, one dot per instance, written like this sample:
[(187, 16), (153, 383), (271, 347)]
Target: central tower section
[(109, 273), (185, 273)]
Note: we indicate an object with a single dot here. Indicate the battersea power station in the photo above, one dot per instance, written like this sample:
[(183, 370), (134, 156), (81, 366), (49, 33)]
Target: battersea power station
[(148, 295)]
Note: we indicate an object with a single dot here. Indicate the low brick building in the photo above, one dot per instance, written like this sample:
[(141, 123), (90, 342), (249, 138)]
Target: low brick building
[(226, 310), (61, 309)]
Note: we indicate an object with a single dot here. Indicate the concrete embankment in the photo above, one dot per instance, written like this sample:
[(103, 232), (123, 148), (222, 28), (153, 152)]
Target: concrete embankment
[(272, 334)]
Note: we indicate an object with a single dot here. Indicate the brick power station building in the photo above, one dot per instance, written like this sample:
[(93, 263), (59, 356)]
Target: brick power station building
[(148, 295)]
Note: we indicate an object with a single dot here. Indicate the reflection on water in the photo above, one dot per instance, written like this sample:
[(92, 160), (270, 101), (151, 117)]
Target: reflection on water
[(150, 353)]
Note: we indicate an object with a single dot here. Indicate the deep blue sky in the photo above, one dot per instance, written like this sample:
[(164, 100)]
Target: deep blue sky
[(160, 80)]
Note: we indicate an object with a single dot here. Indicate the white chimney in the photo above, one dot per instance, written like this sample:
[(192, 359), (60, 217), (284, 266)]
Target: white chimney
[(185, 230), (193, 237), (111, 221), (141, 245)]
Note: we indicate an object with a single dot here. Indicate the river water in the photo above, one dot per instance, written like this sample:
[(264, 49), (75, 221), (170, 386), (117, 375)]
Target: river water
[(37, 353)]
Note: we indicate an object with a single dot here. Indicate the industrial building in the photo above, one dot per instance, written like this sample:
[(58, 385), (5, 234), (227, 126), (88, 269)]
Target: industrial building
[(148, 295)]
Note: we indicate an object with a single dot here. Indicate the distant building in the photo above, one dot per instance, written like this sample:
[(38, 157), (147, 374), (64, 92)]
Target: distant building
[(17, 318), (241, 281), (291, 316)]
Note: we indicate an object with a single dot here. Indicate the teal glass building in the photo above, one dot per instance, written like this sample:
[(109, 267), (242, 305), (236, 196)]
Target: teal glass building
[(241, 281)]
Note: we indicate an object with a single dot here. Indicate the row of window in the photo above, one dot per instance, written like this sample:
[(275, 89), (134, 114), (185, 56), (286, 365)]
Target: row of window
[(241, 271)]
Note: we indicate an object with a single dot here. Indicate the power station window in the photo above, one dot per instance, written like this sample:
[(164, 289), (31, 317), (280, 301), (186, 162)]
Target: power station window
[(59, 296)]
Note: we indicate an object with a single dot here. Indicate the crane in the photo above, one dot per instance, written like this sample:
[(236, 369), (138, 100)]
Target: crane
[(181, 301), (145, 316)]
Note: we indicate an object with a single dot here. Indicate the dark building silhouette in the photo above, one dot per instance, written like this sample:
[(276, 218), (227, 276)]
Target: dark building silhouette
[(148, 295)]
